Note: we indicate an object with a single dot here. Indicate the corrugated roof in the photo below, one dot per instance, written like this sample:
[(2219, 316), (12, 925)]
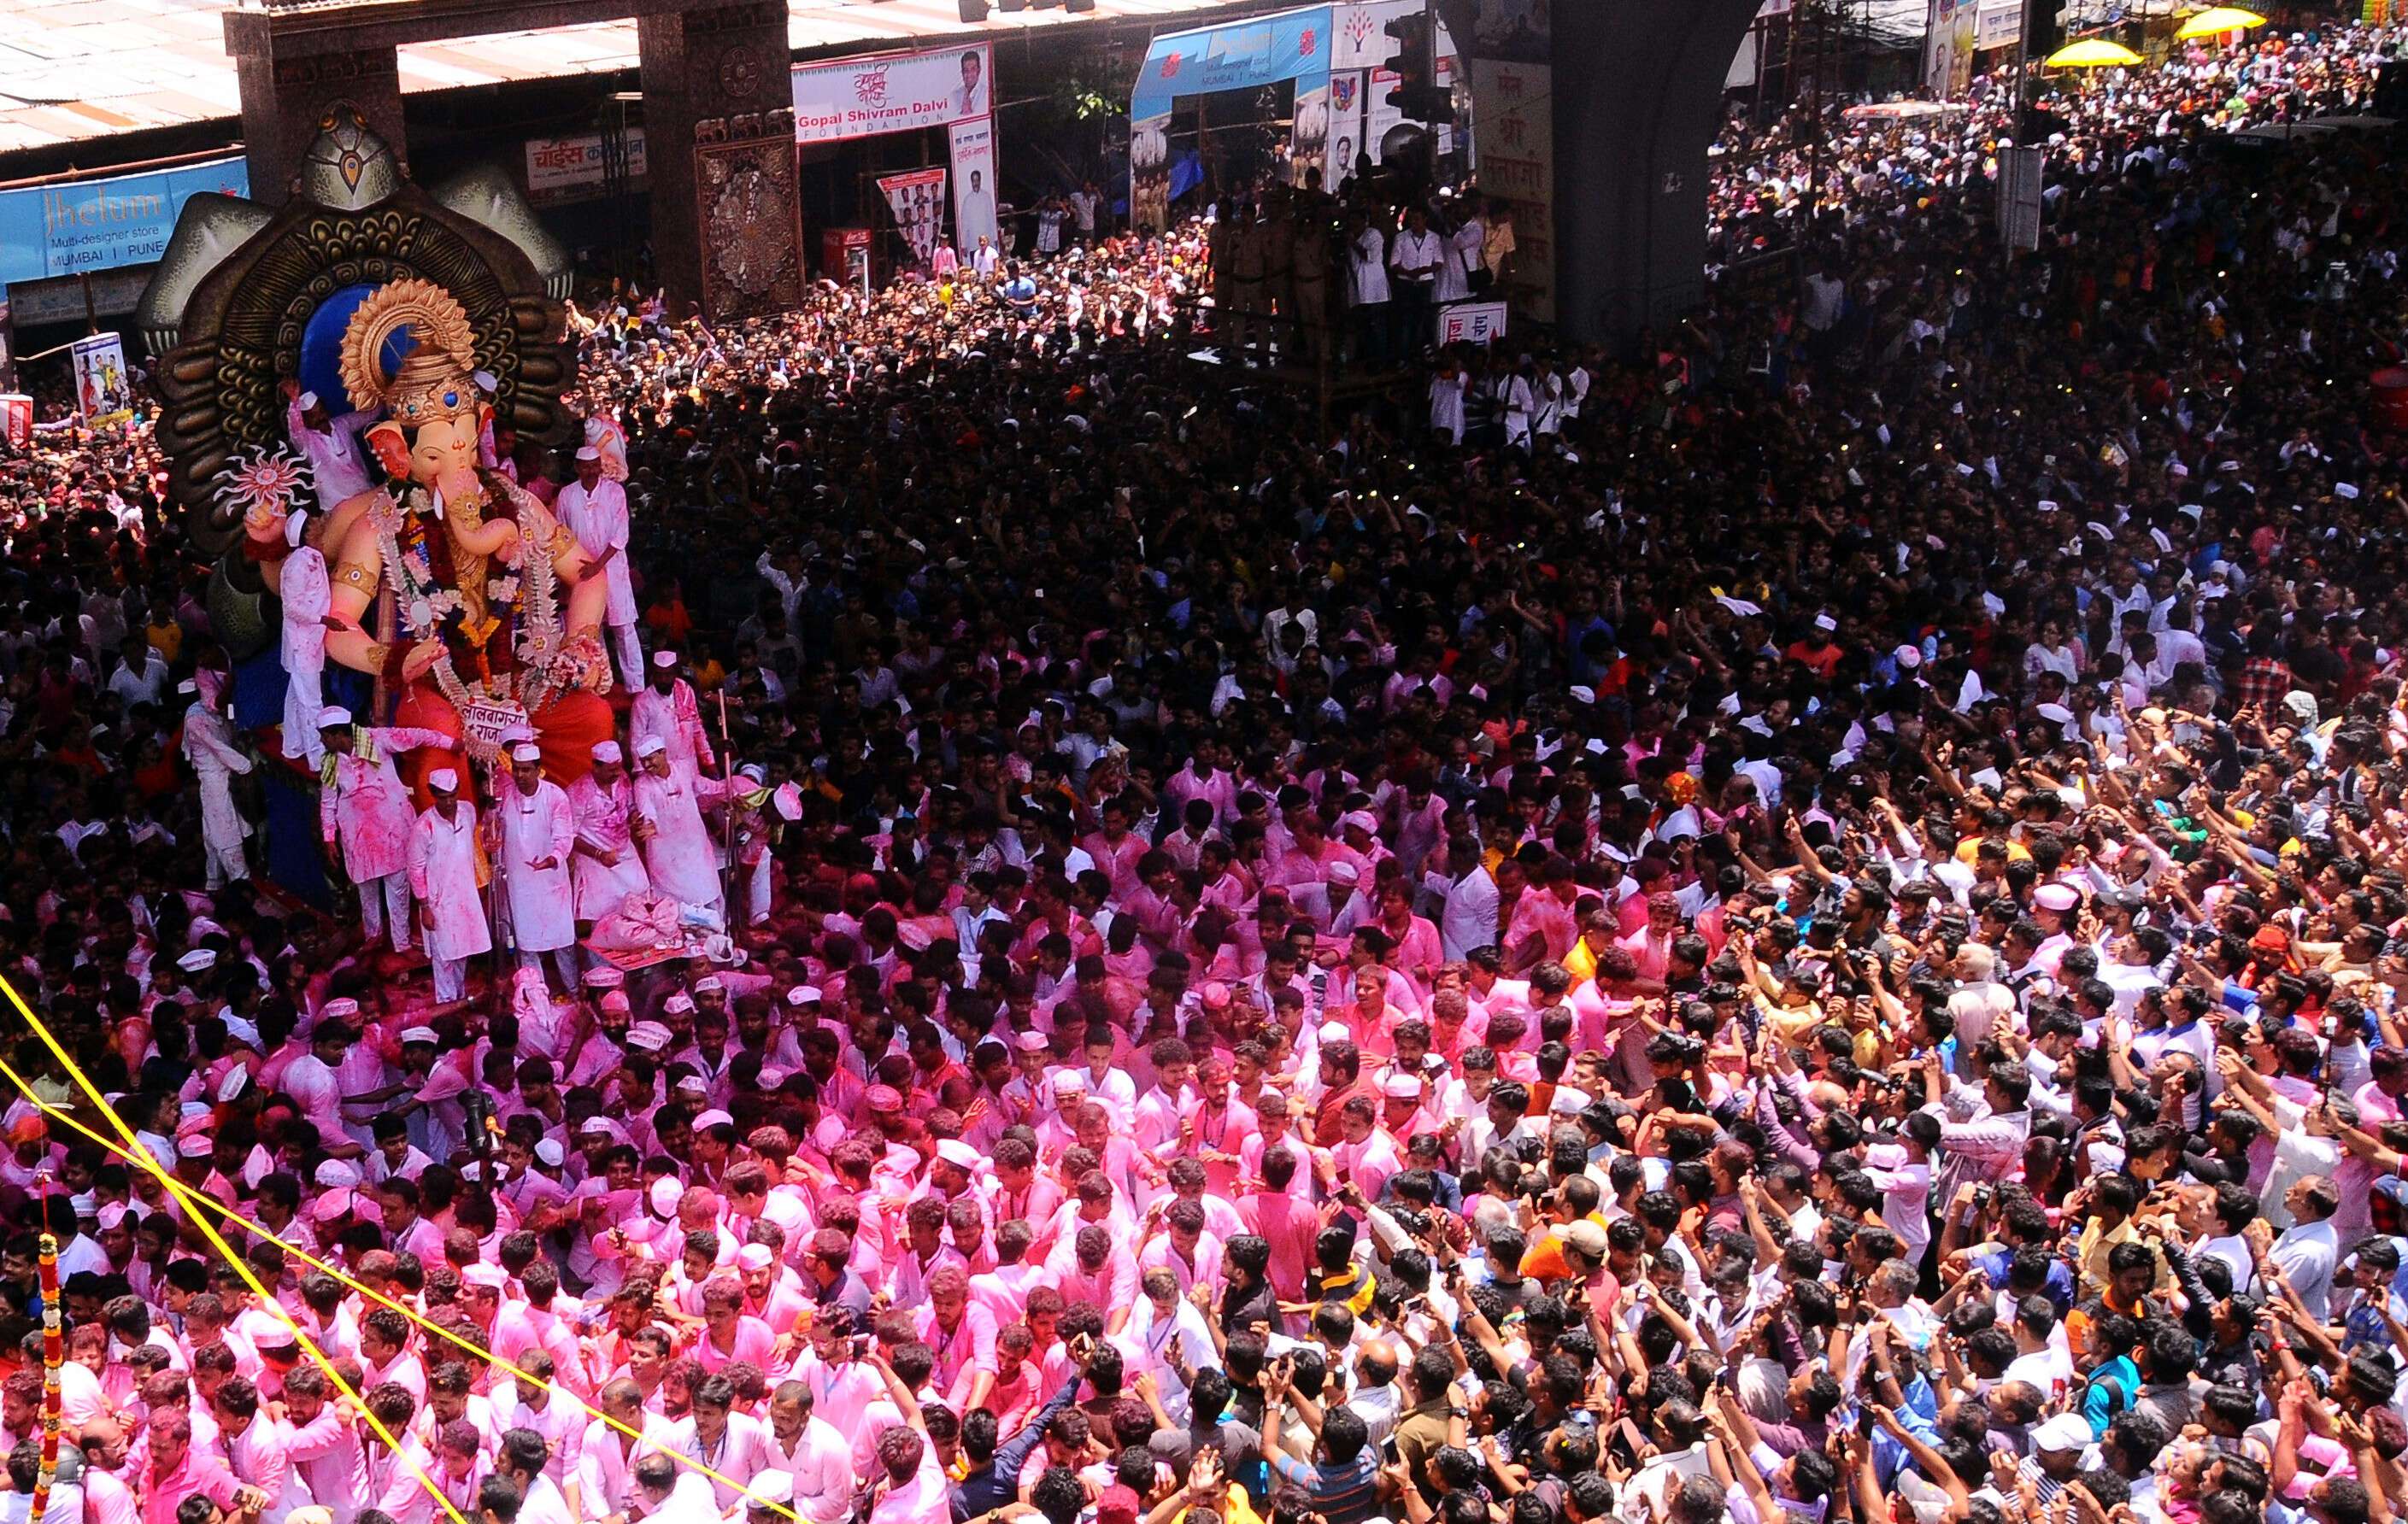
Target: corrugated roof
[(75, 70)]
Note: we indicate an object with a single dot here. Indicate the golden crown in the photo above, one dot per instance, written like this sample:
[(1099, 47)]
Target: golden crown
[(434, 379)]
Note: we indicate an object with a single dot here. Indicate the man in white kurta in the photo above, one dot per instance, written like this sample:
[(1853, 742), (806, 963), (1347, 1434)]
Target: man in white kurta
[(666, 709), (443, 875), (605, 1462), (678, 851), (254, 1444), (594, 508), (338, 462), (307, 596), (315, 1079), (538, 831), (607, 867), (363, 806), (749, 839), (208, 745)]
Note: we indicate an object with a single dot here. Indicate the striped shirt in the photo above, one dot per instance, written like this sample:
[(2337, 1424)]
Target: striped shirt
[(1346, 1493)]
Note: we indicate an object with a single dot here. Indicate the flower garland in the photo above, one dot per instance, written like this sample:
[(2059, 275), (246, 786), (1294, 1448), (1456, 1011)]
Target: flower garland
[(419, 572), (410, 553), (538, 627), (53, 1357)]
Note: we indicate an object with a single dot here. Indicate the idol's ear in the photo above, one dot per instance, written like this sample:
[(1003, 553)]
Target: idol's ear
[(392, 451)]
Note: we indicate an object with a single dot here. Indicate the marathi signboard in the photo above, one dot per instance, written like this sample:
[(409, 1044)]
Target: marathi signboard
[(1998, 23), (558, 168), (1513, 122), (1472, 323)]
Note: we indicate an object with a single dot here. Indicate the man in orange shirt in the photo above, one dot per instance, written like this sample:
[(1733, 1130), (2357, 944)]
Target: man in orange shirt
[(671, 624), (1816, 650)]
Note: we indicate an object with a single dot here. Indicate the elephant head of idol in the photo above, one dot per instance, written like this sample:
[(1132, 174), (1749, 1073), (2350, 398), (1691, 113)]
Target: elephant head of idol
[(250, 296)]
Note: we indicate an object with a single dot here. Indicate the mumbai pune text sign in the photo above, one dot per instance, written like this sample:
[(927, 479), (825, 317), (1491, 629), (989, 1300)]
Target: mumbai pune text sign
[(892, 92), (60, 230)]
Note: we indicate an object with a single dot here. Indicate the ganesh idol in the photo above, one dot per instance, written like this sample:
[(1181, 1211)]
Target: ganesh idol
[(478, 614)]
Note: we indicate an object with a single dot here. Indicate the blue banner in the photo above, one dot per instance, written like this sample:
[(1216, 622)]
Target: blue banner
[(1243, 55), (56, 230)]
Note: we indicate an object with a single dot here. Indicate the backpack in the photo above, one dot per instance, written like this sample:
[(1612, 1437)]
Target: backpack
[(2118, 1400)]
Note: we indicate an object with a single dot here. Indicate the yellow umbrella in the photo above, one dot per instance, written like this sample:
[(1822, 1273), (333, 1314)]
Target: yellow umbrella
[(2092, 53), (2220, 20)]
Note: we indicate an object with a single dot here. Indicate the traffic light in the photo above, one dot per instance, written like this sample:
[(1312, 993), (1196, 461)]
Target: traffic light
[(1423, 103), (1418, 96)]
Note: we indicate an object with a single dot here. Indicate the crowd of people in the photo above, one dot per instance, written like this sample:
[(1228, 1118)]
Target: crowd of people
[(1813, 941), (1775, 169), (1355, 278)]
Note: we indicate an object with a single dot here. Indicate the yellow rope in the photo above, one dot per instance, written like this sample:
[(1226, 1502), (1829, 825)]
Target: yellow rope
[(141, 1158), (308, 1345)]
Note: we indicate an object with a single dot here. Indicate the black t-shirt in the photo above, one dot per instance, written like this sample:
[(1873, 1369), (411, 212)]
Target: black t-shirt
[(1241, 1310)]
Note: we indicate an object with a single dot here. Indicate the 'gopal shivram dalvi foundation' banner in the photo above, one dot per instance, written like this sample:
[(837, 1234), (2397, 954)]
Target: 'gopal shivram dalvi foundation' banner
[(891, 93)]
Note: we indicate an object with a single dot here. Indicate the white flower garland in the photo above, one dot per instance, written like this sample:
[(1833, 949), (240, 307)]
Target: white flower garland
[(423, 603)]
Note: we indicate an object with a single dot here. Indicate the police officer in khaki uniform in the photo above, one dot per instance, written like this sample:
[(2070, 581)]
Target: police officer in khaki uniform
[(1249, 266)]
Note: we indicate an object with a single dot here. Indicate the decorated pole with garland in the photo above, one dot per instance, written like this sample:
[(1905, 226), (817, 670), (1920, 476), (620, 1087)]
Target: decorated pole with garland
[(53, 1354)]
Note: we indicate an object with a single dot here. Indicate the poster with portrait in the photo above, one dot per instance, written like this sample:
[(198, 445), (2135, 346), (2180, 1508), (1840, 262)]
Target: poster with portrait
[(1308, 144), (1345, 124), (1150, 171), (104, 392), (917, 199), (1948, 61), (973, 156)]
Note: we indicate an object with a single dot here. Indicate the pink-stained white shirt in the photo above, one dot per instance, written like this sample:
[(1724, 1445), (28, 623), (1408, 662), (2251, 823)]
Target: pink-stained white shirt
[(962, 1352), (605, 1462), (919, 1501), (1204, 1270), (743, 1452), (675, 717), (368, 807), (326, 1457), (820, 1464)]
